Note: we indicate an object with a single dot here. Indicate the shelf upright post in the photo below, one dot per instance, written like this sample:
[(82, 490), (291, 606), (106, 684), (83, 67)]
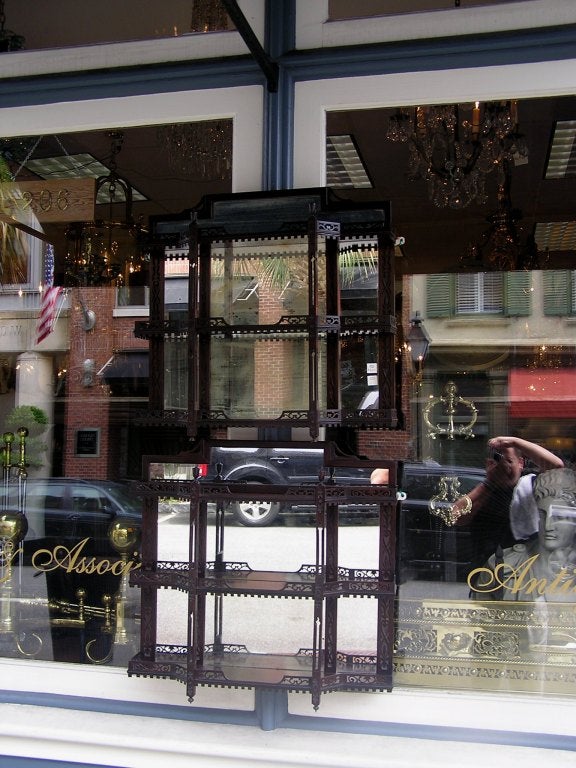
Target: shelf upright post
[(386, 330), (199, 336), (319, 592), (330, 580), (156, 366), (386, 586), (196, 596), (313, 346), (204, 336), (193, 340), (333, 323), (149, 594)]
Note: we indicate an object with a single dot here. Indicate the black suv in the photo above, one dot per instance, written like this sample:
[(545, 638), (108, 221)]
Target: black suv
[(427, 547), (273, 465), (298, 465)]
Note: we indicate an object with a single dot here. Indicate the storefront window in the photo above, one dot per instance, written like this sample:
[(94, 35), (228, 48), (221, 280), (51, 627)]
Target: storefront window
[(480, 606), (486, 579), (74, 380), (485, 583)]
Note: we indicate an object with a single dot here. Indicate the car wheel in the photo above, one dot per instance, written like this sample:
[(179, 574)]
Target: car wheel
[(256, 513)]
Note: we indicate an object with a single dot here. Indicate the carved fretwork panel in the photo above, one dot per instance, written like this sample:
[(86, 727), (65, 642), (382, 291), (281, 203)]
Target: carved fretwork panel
[(524, 646)]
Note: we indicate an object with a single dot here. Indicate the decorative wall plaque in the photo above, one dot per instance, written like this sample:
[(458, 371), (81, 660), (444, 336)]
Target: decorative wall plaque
[(87, 442)]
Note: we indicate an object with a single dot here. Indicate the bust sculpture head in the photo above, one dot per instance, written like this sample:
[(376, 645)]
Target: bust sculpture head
[(555, 496), (544, 567)]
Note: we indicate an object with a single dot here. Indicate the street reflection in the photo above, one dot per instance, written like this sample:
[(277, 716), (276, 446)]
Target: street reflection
[(262, 625)]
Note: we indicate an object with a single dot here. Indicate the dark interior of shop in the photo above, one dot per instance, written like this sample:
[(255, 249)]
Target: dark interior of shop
[(432, 238)]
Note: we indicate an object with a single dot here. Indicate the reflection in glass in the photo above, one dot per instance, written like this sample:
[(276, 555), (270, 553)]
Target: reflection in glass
[(176, 375), (259, 378), (254, 622), (258, 283), (115, 23)]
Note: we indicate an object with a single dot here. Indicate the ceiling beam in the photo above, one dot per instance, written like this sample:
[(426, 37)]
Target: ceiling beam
[(266, 64)]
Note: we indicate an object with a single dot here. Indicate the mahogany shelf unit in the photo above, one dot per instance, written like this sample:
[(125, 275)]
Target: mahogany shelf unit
[(262, 344), (322, 667)]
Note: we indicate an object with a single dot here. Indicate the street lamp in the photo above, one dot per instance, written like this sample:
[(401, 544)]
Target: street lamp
[(417, 343)]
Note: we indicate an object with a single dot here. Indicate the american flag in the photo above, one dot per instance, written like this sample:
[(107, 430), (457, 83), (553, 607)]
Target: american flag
[(49, 298)]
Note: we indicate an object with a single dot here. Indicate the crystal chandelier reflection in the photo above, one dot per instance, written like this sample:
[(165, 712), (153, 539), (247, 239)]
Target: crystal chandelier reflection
[(106, 252), (455, 147), (549, 356), (501, 247), (200, 150), (9, 41), (208, 16)]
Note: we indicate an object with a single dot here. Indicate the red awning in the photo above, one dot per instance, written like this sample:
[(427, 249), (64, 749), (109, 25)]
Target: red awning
[(542, 393)]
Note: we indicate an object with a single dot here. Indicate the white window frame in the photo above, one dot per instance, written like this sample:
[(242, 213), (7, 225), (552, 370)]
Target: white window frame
[(480, 293)]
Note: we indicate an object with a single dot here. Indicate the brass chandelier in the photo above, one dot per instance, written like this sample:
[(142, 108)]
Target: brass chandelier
[(455, 147), (107, 252)]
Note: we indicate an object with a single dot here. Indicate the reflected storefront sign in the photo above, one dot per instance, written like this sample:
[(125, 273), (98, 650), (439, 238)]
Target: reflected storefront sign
[(517, 628), (67, 549), (59, 604)]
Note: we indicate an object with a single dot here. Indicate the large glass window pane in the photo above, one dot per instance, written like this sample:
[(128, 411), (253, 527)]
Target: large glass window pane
[(486, 529), (259, 378), (71, 404), (176, 375), (482, 603)]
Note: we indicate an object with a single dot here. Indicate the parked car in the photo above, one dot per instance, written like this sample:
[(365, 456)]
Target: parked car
[(272, 465), (428, 548), (66, 511), (298, 465)]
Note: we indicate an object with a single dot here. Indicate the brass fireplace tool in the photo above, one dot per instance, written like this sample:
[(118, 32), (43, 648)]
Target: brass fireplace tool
[(124, 537), (13, 529)]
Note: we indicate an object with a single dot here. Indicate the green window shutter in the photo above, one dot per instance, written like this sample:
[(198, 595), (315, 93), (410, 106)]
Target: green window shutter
[(439, 295), (517, 293), (556, 284)]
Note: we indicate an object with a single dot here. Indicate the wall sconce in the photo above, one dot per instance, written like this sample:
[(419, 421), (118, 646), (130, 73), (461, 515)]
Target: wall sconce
[(417, 344), (88, 367)]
